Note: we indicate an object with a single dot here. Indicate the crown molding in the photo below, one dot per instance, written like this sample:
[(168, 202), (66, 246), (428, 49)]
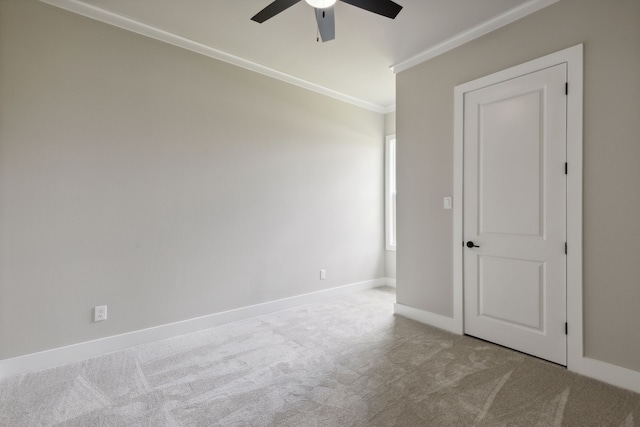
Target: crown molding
[(389, 109), (473, 33), (126, 23)]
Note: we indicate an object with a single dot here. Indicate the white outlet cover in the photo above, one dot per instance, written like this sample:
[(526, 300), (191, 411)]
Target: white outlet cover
[(100, 313)]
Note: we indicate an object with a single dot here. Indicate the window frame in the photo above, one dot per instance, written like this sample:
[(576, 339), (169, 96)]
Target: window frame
[(390, 214)]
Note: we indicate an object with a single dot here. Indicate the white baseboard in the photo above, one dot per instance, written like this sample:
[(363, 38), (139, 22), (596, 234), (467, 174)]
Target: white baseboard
[(611, 374), (602, 371), (391, 282), (436, 320), (76, 352)]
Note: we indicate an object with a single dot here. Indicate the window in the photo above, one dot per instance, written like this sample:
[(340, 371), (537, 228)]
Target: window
[(390, 192)]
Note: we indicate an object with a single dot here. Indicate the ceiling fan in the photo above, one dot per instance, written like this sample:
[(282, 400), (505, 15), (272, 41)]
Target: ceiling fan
[(324, 12)]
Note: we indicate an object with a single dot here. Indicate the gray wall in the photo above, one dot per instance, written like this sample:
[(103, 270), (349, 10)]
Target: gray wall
[(166, 184), (610, 31)]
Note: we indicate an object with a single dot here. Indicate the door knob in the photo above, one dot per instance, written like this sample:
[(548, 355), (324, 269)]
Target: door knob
[(470, 244)]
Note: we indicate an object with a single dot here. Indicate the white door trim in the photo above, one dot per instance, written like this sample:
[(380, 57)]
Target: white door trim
[(573, 57)]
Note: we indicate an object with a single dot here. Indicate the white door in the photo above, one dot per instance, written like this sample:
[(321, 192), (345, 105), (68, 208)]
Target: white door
[(515, 213)]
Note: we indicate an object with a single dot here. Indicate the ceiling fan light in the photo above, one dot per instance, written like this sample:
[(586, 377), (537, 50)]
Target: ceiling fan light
[(321, 4)]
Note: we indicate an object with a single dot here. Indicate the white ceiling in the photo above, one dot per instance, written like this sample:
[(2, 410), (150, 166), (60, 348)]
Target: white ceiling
[(354, 67)]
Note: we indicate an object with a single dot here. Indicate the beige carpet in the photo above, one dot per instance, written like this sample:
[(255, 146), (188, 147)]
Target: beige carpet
[(345, 362)]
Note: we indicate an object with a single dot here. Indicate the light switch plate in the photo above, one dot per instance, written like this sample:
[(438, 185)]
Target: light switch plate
[(447, 202)]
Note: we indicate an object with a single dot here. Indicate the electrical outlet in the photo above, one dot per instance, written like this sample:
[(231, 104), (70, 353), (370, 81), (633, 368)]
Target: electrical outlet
[(99, 313), (323, 274)]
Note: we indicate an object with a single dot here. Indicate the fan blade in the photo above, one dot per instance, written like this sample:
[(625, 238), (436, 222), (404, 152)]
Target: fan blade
[(273, 9), (326, 23), (386, 8)]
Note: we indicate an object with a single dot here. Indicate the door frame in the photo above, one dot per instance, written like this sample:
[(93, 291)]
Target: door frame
[(573, 57)]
